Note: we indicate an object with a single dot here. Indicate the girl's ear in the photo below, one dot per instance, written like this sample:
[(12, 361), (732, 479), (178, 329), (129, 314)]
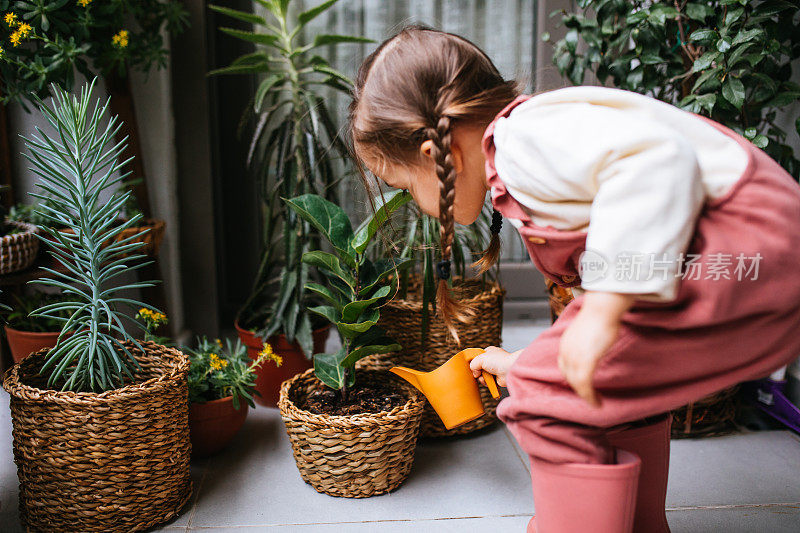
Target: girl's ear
[(426, 147)]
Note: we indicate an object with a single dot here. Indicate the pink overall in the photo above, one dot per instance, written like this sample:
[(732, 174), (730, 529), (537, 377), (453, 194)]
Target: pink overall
[(716, 333)]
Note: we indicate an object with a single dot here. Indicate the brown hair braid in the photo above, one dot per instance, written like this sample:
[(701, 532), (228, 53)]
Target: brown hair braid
[(417, 86)]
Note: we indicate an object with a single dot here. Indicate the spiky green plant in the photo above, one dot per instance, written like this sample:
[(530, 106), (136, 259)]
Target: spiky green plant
[(294, 149), (80, 173)]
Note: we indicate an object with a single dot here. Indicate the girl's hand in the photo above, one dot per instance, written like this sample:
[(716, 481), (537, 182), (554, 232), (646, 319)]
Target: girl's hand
[(495, 361), (587, 339)]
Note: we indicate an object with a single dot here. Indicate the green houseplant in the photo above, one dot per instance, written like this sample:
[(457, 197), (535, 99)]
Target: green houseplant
[(98, 388), (730, 60), (222, 383), (410, 317), (366, 412), (46, 42), (295, 149), (27, 333)]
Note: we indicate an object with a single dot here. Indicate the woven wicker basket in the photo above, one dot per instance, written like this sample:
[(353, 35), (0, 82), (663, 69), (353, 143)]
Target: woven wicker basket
[(353, 456), (111, 461), (152, 233), (402, 320), (711, 416), (18, 251)]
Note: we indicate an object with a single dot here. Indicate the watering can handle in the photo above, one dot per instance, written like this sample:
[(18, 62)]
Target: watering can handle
[(487, 376)]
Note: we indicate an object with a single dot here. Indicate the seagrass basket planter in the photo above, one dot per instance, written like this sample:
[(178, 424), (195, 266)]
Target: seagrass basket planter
[(402, 320), (111, 461), (353, 456), (18, 251), (711, 416)]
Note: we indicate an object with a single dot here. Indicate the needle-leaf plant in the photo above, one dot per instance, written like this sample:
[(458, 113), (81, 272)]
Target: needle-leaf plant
[(79, 173), (356, 287), (295, 149)]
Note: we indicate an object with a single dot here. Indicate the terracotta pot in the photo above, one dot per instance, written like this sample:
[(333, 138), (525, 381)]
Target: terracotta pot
[(24, 343), (212, 425), (269, 377)]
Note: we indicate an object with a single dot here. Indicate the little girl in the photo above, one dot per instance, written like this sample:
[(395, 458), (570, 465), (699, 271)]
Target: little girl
[(680, 239)]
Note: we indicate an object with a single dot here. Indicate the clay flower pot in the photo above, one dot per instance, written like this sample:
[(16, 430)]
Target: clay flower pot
[(212, 425), (353, 456), (24, 343), (269, 377)]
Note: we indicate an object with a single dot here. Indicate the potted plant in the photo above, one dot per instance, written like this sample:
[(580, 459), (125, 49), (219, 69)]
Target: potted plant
[(410, 318), (48, 42), (100, 421), (221, 388), (353, 433), (729, 61), (28, 332), (295, 149), (18, 244)]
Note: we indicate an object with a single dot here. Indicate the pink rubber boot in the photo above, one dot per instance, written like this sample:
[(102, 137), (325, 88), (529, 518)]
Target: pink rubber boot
[(651, 443), (575, 498)]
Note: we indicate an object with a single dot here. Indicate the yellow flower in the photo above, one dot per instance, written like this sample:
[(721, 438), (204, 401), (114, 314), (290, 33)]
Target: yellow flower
[(11, 19), (2, 51), (14, 38), (120, 39), (219, 342), (266, 353), (84, 3), (24, 29), (216, 363)]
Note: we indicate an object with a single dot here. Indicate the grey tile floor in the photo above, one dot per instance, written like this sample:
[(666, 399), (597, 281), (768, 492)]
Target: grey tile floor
[(747, 482)]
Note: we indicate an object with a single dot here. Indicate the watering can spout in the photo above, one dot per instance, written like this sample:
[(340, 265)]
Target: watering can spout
[(410, 375)]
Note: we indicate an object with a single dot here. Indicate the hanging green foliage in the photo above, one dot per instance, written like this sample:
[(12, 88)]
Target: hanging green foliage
[(730, 60)]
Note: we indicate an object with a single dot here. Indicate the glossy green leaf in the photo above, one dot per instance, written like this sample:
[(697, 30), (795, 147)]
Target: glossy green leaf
[(733, 91), (328, 295), (385, 205), (352, 310), (351, 330), (330, 263), (327, 312), (359, 353), (327, 217), (329, 369)]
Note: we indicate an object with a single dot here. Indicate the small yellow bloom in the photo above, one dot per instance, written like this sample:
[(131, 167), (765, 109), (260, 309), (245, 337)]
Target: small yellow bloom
[(219, 342), (11, 19), (14, 38), (24, 29), (266, 353), (84, 3), (120, 39), (2, 51)]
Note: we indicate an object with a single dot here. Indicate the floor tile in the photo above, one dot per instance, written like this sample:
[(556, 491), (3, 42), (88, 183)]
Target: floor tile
[(749, 468), (510, 524), (518, 334), (771, 519), (467, 477)]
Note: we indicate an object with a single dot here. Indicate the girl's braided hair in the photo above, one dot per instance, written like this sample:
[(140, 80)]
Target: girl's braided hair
[(417, 86)]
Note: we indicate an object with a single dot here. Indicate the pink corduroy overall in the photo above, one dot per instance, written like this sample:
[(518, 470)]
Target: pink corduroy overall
[(716, 333)]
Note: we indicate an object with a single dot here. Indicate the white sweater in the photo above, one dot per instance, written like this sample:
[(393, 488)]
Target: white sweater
[(630, 170)]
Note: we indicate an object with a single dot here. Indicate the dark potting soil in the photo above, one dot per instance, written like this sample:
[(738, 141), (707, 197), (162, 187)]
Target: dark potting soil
[(370, 398)]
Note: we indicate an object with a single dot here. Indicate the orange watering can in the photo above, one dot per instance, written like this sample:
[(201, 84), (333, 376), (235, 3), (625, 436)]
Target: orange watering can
[(451, 389)]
